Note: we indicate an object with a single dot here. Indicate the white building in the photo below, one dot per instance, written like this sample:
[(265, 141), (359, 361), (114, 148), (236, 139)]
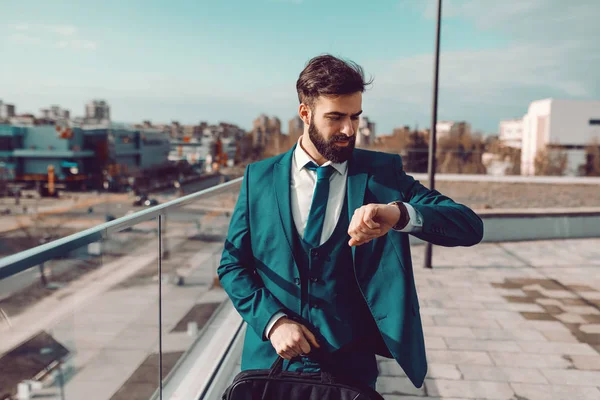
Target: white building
[(565, 125), (366, 132), (447, 128), (511, 132)]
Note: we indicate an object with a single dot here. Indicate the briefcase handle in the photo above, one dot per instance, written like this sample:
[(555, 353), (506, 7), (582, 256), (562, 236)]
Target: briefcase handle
[(277, 368)]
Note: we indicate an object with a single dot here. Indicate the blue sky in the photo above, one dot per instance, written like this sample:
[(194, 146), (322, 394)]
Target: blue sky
[(231, 60)]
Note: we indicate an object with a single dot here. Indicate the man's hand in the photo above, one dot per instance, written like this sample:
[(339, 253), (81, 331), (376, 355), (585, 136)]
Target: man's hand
[(372, 221), (291, 339)]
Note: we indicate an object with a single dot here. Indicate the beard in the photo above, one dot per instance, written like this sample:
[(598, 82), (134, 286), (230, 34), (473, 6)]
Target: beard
[(327, 147)]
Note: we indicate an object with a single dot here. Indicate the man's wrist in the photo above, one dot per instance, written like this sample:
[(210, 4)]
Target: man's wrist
[(272, 322), (404, 217)]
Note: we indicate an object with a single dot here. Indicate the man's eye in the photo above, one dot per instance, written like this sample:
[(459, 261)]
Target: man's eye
[(355, 118), (334, 118)]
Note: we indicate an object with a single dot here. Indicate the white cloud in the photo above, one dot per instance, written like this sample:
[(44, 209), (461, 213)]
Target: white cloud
[(62, 30), (24, 39), (50, 36), (76, 44)]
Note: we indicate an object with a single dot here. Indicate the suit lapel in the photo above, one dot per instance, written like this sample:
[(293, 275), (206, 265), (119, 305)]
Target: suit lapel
[(357, 184), (281, 182)]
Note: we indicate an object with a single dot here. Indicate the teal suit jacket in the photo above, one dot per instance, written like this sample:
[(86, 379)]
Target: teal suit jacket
[(258, 269)]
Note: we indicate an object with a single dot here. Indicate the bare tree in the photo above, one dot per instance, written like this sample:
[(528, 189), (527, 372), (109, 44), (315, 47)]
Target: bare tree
[(550, 162), (510, 154), (461, 154), (592, 160)]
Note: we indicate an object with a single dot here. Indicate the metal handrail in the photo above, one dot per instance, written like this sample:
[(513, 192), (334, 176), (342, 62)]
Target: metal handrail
[(23, 260)]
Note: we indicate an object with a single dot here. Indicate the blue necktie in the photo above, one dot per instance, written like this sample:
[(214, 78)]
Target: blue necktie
[(316, 216)]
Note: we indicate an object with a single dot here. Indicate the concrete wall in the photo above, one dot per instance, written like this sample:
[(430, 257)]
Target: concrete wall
[(522, 225)]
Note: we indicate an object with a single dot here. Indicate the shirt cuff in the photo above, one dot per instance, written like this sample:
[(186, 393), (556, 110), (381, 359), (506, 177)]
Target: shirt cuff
[(272, 322), (415, 220)]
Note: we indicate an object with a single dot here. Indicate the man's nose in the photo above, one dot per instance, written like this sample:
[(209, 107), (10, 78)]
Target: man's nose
[(348, 129)]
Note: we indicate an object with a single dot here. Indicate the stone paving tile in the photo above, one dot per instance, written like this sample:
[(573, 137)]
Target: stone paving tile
[(434, 370), (459, 357), (542, 326), (465, 321), (501, 374), (520, 307), (571, 318), (481, 298), (443, 371), (483, 345), (449, 331), (530, 360), (590, 328), (492, 314), (437, 343), (501, 334), (572, 377), (581, 310), (557, 348), (441, 311), (398, 385), (554, 392), (509, 292), (564, 337), (469, 389), (389, 368), (590, 363), (455, 304)]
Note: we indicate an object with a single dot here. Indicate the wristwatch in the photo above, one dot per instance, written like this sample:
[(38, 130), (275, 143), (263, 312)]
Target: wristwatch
[(404, 217)]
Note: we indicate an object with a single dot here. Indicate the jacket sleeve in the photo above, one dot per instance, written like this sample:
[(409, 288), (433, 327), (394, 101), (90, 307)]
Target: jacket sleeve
[(445, 222), (236, 270)]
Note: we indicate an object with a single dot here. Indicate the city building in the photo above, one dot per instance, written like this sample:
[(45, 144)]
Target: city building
[(559, 125), (445, 129), (97, 112), (265, 130), (511, 132), (23, 120), (365, 135), (77, 158), (55, 113), (295, 128), (7, 111)]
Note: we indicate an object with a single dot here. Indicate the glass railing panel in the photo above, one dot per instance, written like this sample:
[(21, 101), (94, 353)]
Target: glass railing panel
[(193, 235), (83, 323)]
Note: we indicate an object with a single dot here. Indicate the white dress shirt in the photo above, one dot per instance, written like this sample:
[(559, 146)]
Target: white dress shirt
[(302, 186)]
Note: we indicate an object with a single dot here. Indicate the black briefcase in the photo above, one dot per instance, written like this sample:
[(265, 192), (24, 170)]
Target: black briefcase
[(274, 384)]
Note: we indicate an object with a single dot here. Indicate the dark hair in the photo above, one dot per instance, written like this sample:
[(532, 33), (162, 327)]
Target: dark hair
[(327, 75)]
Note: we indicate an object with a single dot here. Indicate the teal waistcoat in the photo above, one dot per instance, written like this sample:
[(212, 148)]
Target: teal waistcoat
[(331, 301)]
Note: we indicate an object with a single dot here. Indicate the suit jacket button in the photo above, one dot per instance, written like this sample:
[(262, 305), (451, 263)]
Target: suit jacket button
[(297, 281), (314, 279)]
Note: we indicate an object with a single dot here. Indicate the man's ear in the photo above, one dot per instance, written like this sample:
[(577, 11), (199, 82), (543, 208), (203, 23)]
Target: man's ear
[(304, 112)]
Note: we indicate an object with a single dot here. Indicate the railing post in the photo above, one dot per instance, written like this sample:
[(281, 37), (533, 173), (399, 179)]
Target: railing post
[(431, 165), (160, 352)]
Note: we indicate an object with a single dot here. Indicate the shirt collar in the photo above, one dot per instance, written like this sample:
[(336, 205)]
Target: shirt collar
[(302, 158)]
